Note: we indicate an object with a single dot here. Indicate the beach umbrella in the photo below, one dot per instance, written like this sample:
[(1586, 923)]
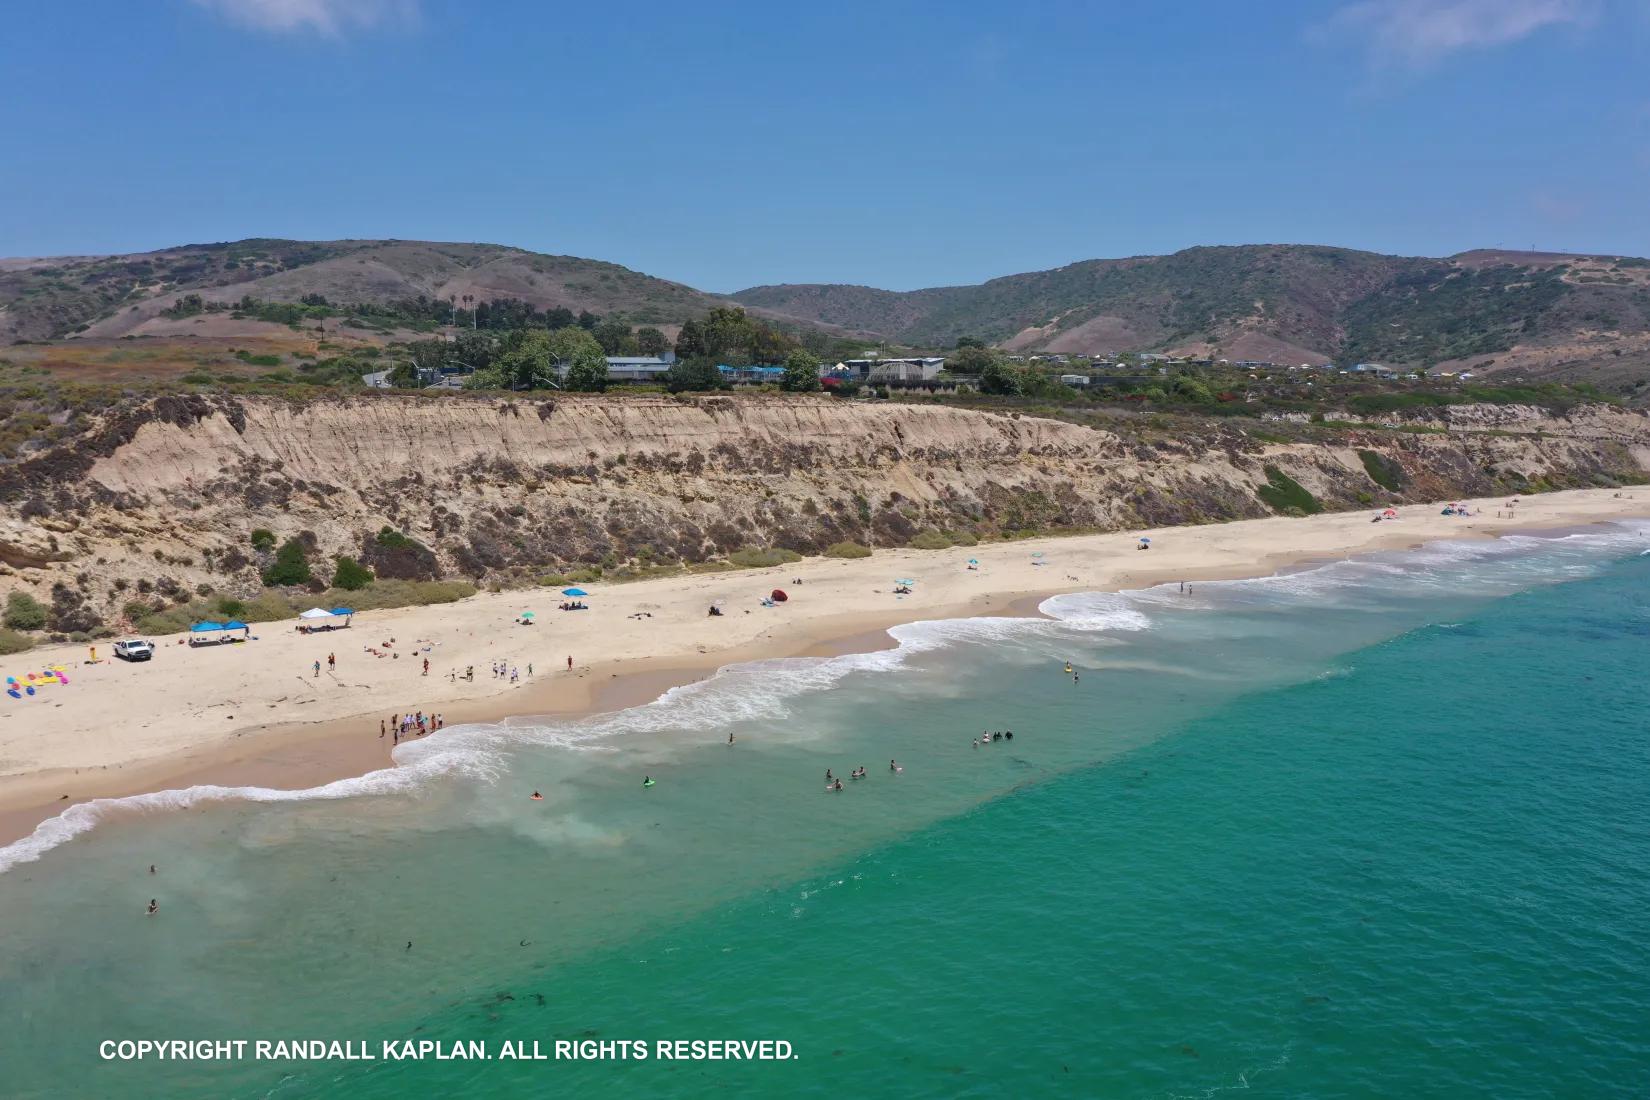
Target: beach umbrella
[(343, 611), (973, 561), (1390, 512), (574, 592), (315, 613), (905, 581), (1145, 539), (527, 614), (1036, 553)]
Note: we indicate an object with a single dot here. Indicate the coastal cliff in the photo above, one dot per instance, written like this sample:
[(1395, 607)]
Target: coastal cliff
[(164, 493)]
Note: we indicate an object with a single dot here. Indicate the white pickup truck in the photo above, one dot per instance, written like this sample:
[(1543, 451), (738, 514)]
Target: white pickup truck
[(134, 650)]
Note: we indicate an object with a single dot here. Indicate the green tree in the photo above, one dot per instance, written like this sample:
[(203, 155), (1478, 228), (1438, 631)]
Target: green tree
[(475, 350), (615, 338), (528, 361), (690, 342), (1000, 378), (588, 320), (971, 360), (1192, 390), (263, 538), (650, 341), (969, 342), (350, 574), (404, 376), (586, 363), (24, 612), (768, 344), (698, 373), (801, 372), (724, 329), (291, 565)]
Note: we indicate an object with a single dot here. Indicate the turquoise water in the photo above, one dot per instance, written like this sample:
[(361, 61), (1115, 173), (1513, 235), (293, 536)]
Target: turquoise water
[(1378, 828)]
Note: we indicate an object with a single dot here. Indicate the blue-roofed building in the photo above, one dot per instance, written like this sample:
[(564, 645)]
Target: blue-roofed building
[(633, 368), (751, 375)]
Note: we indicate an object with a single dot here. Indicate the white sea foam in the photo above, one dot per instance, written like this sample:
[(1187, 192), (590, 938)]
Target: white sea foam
[(765, 690), (411, 772)]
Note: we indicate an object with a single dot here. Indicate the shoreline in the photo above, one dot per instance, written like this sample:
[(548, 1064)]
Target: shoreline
[(300, 754)]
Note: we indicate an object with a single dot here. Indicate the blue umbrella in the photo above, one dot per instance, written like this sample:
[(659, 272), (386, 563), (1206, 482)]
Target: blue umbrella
[(574, 592)]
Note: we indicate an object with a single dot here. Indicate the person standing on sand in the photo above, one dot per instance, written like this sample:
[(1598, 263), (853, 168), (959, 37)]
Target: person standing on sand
[(317, 669), (332, 662), (426, 666), (569, 664), (381, 729)]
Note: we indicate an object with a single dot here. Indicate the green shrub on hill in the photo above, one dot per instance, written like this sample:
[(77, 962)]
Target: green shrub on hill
[(847, 550), (1382, 470), (24, 612), (350, 574), (930, 540), (13, 642), (291, 565), (1284, 494), (755, 558)]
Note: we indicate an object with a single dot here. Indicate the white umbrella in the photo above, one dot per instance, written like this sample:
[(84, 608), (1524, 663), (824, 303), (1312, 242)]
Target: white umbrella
[(315, 613)]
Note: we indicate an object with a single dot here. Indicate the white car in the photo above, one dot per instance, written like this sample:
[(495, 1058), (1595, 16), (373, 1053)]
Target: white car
[(134, 650)]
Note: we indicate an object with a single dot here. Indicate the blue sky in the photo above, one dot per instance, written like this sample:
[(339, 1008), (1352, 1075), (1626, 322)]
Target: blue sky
[(895, 144)]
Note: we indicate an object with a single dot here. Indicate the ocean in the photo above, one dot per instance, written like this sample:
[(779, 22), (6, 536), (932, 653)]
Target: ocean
[(1370, 828)]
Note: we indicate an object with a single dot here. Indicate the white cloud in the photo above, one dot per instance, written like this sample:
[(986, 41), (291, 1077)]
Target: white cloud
[(1417, 33), (328, 17)]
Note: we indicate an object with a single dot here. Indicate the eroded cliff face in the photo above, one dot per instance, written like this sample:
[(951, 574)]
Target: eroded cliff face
[(508, 491)]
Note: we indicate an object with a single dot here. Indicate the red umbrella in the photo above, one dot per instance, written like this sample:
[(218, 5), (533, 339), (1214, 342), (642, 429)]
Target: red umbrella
[(779, 595)]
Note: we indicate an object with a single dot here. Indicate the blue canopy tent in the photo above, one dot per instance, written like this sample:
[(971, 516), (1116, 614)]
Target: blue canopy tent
[(574, 592), (206, 633)]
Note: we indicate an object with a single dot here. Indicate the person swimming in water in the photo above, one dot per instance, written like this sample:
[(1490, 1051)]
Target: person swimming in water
[(827, 775), (154, 907), (1008, 735), (893, 767), (537, 797), (838, 786), (647, 781)]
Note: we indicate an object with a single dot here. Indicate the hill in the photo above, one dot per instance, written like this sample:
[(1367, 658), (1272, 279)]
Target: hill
[(115, 296), (1543, 312), (1541, 315)]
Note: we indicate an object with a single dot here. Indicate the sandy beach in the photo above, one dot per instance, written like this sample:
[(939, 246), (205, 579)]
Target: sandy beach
[(257, 714)]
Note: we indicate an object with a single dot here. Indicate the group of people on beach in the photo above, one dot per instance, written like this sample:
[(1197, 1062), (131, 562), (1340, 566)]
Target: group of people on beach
[(503, 670), (416, 724)]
